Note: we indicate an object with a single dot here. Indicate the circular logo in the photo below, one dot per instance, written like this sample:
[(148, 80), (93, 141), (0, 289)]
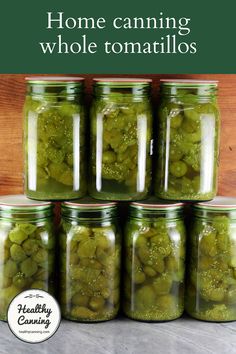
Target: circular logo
[(34, 316)]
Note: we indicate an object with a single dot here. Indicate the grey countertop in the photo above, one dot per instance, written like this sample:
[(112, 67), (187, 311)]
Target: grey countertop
[(123, 336)]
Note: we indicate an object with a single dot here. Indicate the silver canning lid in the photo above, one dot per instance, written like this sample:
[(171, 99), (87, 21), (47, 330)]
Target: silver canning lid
[(156, 204), (88, 203), (218, 203), (21, 202)]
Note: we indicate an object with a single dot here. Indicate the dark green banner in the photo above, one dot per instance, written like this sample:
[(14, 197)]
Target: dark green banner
[(122, 36)]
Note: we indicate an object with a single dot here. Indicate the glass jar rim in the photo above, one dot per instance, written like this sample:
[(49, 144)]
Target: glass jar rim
[(188, 83), (156, 204), (220, 203), (19, 202), (54, 80), (122, 82), (88, 204)]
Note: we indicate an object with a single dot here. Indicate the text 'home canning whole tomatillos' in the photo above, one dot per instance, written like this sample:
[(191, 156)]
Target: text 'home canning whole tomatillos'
[(170, 41)]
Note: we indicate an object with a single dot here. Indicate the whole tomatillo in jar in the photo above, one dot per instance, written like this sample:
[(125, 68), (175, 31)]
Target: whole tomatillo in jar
[(211, 278), (154, 261), (27, 248), (90, 255), (188, 140), (121, 139), (54, 138)]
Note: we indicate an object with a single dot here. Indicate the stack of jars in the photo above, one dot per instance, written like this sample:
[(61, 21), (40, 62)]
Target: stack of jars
[(184, 149)]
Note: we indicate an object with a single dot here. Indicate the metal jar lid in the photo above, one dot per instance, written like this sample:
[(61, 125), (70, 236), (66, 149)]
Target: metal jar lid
[(121, 82), (88, 203), (219, 203), (54, 80), (20, 202), (157, 204), (188, 83)]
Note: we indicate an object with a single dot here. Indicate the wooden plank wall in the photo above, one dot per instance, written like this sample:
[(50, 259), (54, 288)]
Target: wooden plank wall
[(12, 90)]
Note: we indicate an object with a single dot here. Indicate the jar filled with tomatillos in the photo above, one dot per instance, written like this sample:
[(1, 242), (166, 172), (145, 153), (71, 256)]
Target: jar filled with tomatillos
[(188, 144), (27, 248), (90, 252), (121, 139), (154, 249), (211, 278), (54, 138)]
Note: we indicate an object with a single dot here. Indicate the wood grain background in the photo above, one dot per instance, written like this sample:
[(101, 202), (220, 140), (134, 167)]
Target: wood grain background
[(12, 90)]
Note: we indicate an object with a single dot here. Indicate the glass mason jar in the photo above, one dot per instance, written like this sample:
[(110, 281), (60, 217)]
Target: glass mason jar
[(90, 251), (188, 146), (211, 279), (121, 139), (54, 138), (27, 248), (154, 261)]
